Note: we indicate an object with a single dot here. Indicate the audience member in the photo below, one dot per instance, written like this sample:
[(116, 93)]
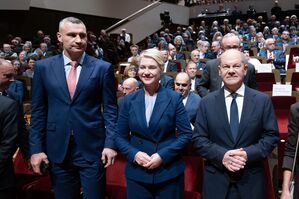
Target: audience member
[(191, 70), (190, 100), (7, 53), (134, 51), (169, 65)]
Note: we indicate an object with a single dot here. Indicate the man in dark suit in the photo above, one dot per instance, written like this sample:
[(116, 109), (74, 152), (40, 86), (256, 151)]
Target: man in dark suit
[(235, 130), (191, 70), (190, 100), (74, 111), (8, 145), (8, 132), (211, 81), (169, 65)]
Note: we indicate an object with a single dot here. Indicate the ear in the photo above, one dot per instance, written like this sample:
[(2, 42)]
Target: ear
[(245, 69), (59, 36), (219, 72)]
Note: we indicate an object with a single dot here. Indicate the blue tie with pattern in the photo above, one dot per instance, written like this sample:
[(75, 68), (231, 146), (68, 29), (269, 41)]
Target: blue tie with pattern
[(234, 118)]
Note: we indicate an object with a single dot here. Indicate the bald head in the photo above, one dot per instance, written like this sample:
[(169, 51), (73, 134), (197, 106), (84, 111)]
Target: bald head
[(7, 73), (182, 84), (130, 85)]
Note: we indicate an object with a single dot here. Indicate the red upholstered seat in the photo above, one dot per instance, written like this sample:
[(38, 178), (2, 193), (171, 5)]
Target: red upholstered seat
[(265, 81), (193, 175), (295, 81), (294, 51)]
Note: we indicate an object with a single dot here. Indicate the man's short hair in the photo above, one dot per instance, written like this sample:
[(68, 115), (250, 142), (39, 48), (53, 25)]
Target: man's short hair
[(71, 20)]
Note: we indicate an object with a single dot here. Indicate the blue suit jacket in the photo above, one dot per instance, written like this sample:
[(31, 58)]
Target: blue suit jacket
[(167, 82), (55, 115), (192, 105), (172, 66), (279, 58), (18, 88), (159, 137), (212, 138)]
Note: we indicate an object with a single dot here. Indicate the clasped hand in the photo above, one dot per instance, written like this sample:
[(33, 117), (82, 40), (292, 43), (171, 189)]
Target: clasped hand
[(235, 160), (149, 162)]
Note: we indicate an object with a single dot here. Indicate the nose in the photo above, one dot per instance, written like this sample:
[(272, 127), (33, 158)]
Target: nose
[(78, 38)]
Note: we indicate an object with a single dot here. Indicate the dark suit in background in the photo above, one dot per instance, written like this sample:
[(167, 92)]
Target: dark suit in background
[(171, 66), (211, 81), (8, 145), (18, 88), (192, 105)]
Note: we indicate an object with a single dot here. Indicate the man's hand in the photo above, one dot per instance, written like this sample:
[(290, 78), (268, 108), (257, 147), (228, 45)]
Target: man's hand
[(234, 160), (142, 158), (36, 160), (108, 157), (155, 162)]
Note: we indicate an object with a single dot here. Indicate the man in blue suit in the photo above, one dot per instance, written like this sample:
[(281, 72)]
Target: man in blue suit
[(274, 56), (235, 130), (191, 100), (74, 112)]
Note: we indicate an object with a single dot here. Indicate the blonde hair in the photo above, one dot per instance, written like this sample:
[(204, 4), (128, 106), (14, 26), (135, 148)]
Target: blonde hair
[(154, 54)]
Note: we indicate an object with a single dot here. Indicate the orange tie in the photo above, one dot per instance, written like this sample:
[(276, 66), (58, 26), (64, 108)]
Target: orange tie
[(71, 80)]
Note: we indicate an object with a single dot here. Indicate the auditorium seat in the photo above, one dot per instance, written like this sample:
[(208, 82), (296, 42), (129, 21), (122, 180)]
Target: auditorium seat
[(265, 81)]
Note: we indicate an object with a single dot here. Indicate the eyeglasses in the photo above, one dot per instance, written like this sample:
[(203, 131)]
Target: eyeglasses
[(183, 85)]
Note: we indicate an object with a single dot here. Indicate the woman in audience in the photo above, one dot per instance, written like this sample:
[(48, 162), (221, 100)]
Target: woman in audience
[(146, 134), (30, 67)]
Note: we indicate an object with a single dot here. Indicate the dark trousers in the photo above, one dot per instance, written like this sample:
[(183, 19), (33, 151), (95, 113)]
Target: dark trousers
[(76, 172), (173, 189)]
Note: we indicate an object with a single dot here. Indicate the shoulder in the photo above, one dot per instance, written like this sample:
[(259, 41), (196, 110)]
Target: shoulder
[(259, 95), (295, 107), (7, 102)]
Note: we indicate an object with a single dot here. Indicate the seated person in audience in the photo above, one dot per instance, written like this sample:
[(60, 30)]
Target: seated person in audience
[(210, 80), (174, 55), (179, 43), (260, 41), (182, 84), (30, 67), (254, 61), (129, 85), (130, 72), (203, 48), (191, 70), (42, 51), (226, 27), (275, 34), (134, 51), (195, 58), (169, 65), (285, 40), (274, 56), (8, 53), (216, 49)]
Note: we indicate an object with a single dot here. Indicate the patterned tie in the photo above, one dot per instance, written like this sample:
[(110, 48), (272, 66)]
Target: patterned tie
[(234, 118), (71, 80)]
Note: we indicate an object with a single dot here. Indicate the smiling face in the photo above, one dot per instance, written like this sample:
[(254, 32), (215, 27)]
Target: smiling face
[(232, 69), (74, 38), (149, 71)]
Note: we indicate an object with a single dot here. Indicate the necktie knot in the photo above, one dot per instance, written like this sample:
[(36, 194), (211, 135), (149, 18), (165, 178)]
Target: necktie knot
[(234, 95), (74, 64)]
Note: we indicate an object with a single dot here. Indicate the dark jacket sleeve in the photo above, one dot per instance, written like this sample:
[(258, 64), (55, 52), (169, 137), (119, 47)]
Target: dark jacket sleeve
[(8, 132), (293, 129)]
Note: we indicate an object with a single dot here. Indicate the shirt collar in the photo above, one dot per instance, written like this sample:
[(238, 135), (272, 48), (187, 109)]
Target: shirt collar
[(240, 91), (67, 60)]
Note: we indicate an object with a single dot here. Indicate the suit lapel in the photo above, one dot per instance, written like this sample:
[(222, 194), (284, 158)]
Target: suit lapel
[(161, 104), (138, 105), (220, 108), (247, 112), (57, 67), (87, 68)]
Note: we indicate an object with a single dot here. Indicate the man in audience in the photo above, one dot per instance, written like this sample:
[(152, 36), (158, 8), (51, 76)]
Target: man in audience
[(216, 49), (190, 100), (274, 56), (174, 54), (203, 48), (195, 57), (285, 40), (191, 70), (130, 85), (169, 65), (211, 80), (235, 131), (73, 116), (134, 51), (7, 53)]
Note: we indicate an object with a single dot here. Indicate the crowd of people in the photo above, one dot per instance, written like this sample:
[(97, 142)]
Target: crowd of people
[(78, 124)]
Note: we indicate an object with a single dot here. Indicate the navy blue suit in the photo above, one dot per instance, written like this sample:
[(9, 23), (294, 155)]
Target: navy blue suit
[(167, 82), (159, 137), (279, 58), (18, 88), (74, 129), (212, 138), (192, 105), (171, 66)]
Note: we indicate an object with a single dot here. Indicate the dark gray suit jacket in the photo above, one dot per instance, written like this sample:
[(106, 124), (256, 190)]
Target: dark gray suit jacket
[(211, 81)]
